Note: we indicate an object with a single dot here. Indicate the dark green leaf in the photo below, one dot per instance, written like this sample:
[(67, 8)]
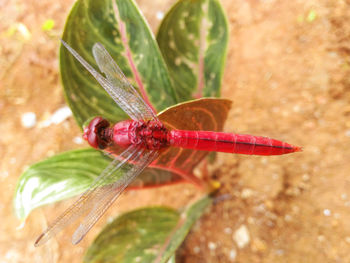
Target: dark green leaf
[(144, 235), (121, 28), (193, 39)]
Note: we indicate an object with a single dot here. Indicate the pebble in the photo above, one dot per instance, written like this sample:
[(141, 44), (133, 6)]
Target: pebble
[(246, 193), (228, 230), (306, 177), (279, 252), (347, 133), (12, 255), (321, 238), (28, 119), (78, 140), (196, 250), (258, 245), (241, 236), (212, 246), (296, 108), (4, 174), (160, 15), (288, 218), (233, 254), (327, 212), (344, 196), (58, 116)]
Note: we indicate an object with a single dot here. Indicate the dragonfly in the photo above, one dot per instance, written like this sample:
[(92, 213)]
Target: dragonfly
[(143, 138)]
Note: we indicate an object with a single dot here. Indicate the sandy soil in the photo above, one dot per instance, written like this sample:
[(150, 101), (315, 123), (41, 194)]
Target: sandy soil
[(287, 72)]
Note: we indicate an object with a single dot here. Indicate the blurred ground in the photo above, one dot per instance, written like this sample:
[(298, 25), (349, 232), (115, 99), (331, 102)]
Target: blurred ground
[(287, 72)]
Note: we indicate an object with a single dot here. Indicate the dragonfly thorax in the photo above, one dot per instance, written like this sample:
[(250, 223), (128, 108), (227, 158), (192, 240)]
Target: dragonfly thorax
[(152, 135)]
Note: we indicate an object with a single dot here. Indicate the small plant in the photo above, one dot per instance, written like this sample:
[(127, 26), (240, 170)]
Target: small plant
[(186, 62)]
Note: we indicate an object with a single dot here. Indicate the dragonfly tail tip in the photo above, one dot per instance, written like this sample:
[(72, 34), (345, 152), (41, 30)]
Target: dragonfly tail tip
[(298, 149)]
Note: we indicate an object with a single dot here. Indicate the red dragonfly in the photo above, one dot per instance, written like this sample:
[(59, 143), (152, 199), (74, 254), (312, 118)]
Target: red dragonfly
[(143, 138)]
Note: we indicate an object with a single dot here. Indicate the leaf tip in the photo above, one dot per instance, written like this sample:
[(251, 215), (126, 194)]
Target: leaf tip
[(22, 224)]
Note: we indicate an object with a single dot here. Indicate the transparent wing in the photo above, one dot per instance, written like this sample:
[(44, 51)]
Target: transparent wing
[(86, 201), (123, 92), (116, 84), (106, 195)]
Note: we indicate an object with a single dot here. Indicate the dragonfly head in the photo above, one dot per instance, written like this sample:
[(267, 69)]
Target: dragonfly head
[(97, 133)]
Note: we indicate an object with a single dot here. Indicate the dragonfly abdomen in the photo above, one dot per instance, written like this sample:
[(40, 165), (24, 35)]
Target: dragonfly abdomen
[(229, 142)]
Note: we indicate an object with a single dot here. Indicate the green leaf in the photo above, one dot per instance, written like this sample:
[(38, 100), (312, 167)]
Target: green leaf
[(121, 28), (59, 177), (187, 219), (193, 39), (144, 235), (70, 173), (172, 259)]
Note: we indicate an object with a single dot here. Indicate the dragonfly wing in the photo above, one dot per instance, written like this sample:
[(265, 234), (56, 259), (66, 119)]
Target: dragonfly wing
[(85, 202), (109, 193), (116, 83), (123, 93)]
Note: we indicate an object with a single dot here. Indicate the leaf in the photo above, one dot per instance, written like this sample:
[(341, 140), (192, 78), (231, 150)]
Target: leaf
[(208, 114), (59, 177), (172, 259), (70, 173), (193, 39), (144, 235), (121, 28), (187, 219)]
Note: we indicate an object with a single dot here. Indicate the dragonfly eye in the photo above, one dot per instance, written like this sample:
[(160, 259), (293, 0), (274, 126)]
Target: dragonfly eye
[(96, 133)]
